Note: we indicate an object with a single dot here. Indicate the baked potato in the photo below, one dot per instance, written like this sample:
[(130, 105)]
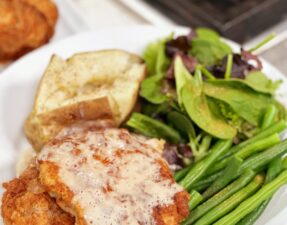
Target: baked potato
[(100, 85)]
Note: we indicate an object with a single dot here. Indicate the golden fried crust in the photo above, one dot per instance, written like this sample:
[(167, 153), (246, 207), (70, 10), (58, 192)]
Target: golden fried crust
[(48, 9), (50, 179), (24, 26), (26, 202), (172, 214)]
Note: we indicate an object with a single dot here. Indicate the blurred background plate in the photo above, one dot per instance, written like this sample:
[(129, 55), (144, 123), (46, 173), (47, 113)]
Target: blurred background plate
[(18, 83)]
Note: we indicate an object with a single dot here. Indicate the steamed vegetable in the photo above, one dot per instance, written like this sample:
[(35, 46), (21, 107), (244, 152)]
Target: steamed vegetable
[(254, 201), (274, 169), (218, 198), (275, 128), (195, 199), (200, 168), (229, 174), (153, 128), (247, 151), (231, 202)]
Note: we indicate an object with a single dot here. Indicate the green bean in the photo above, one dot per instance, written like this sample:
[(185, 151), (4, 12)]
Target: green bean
[(224, 194), (275, 128), (205, 182), (263, 158), (255, 162), (229, 204), (275, 167), (195, 199), (153, 128), (269, 116), (259, 146), (284, 163), (248, 150), (229, 174), (198, 170), (181, 173), (202, 150), (254, 201)]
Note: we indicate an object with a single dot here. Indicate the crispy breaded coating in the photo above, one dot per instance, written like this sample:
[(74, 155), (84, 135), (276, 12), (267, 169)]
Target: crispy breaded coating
[(24, 26), (25, 202), (110, 176)]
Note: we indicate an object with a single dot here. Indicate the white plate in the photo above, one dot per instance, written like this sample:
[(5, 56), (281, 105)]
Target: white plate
[(18, 83)]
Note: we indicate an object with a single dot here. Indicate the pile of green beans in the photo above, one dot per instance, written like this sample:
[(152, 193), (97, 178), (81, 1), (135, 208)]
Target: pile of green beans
[(229, 185)]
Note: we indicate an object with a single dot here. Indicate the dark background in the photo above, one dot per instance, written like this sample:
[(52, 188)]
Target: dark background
[(239, 20)]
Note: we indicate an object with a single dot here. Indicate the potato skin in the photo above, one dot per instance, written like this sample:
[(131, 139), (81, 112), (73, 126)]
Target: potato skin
[(39, 129)]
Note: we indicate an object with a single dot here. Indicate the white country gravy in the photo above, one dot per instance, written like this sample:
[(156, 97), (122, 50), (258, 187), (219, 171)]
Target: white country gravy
[(114, 175)]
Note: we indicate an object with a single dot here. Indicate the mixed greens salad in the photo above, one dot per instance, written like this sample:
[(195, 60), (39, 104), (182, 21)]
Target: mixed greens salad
[(217, 111)]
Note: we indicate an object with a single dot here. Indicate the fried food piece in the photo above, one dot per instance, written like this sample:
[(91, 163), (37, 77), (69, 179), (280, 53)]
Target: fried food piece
[(26, 202), (48, 9), (24, 26), (110, 176)]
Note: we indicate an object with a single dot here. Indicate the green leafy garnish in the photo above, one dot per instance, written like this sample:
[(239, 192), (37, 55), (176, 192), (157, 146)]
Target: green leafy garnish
[(259, 82), (182, 77), (157, 63), (154, 55), (208, 48), (151, 90), (247, 103), (196, 105)]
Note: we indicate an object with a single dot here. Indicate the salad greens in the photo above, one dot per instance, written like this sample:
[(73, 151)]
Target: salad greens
[(157, 63), (208, 48), (217, 111), (246, 103), (216, 93), (196, 105), (182, 77)]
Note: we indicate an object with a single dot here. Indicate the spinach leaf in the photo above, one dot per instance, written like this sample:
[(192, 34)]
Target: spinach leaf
[(247, 103), (259, 82), (207, 47), (151, 90), (153, 128), (196, 105), (182, 77)]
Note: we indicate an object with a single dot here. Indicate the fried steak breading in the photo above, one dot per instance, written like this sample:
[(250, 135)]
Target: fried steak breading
[(25, 202), (110, 176), (24, 26)]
